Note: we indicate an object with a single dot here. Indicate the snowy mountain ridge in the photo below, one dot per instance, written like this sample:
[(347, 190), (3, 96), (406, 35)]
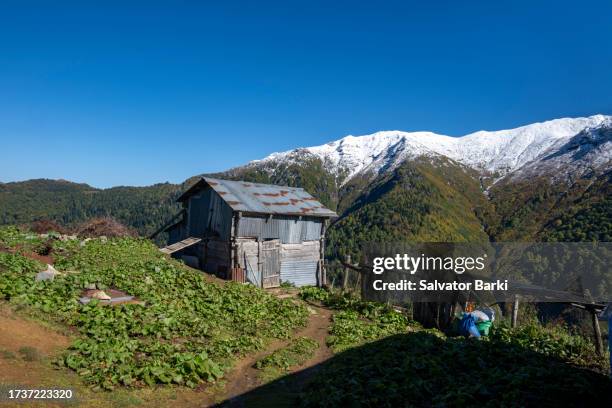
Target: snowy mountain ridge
[(500, 152)]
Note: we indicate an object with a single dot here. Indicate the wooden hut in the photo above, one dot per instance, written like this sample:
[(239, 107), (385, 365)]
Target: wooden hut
[(250, 232)]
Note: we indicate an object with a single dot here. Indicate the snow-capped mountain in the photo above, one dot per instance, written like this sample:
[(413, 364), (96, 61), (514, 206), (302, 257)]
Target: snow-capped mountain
[(570, 158), (490, 152)]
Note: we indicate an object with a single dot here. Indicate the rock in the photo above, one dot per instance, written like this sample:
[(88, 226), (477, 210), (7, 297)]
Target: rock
[(311, 311), (85, 241), (64, 237), (101, 295), (90, 286), (48, 274)]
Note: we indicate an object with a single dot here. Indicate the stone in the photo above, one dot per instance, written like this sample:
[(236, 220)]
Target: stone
[(101, 295), (48, 274)]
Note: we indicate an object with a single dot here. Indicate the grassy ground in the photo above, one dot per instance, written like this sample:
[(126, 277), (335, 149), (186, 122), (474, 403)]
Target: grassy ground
[(186, 331), (194, 341)]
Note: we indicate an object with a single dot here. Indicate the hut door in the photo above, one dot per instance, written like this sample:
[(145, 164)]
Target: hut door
[(270, 262)]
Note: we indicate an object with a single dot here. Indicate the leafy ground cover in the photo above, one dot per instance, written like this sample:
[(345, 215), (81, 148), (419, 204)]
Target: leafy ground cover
[(356, 322), (296, 353), (423, 370), (392, 361), (188, 330), (555, 341)]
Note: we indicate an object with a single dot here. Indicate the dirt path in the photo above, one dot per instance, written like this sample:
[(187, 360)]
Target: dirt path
[(25, 346), (245, 378), (18, 332)]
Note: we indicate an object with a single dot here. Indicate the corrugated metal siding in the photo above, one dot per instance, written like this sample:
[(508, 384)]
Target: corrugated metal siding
[(300, 273), (299, 263), (290, 230), (263, 198), (209, 215)]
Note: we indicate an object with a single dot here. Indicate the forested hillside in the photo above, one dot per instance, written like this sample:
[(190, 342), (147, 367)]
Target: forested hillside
[(143, 208), (431, 200), (537, 209), (424, 199)]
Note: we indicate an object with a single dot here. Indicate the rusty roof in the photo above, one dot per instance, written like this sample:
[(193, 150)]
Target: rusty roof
[(263, 198)]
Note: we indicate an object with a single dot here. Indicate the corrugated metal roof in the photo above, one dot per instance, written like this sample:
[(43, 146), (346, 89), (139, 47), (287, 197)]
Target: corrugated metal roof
[(263, 198)]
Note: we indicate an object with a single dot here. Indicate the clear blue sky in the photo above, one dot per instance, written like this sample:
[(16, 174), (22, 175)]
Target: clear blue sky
[(119, 94)]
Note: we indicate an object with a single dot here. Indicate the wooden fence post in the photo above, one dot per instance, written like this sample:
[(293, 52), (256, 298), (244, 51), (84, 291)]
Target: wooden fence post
[(597, 332), (346, 273), (610, 338), (515, 308)]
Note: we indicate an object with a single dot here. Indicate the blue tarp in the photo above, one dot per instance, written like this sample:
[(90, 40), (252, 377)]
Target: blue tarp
[(467, 326)]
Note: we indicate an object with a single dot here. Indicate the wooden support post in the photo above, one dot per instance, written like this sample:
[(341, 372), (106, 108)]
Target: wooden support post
[(610, 339), (597, 333), (515, 309), (322, 265), (346, 274)]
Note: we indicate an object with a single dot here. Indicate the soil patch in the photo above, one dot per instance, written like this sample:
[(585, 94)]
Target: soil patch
[(45, 259), (17, 332)]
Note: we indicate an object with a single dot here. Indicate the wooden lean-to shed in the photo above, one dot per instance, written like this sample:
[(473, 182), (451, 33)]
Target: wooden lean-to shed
[(250, 232)]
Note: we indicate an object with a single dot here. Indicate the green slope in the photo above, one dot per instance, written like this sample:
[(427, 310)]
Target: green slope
[(143, 208), (539, 210), (428, 200)]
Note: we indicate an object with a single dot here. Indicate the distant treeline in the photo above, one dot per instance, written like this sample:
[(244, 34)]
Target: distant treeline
[(142, 208)]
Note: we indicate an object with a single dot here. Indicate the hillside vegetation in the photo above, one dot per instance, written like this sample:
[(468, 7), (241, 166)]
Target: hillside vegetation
[(415, 202), (538, 209), (143, 208), (186, 330), (392, 361), (424, 199)]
